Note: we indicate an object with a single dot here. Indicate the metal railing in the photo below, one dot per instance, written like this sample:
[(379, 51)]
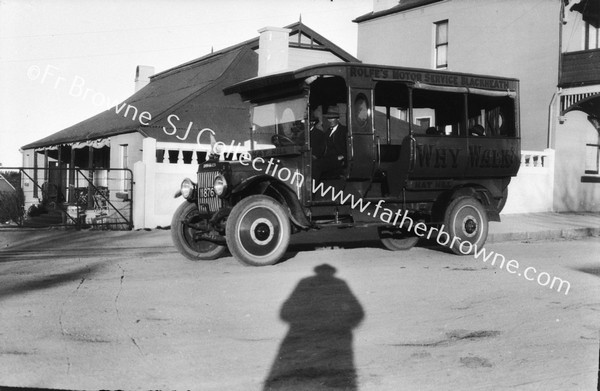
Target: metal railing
[(100, 198)]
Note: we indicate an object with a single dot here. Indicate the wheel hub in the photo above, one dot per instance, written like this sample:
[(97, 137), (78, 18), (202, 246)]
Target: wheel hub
[(262, 231), (470, 226)]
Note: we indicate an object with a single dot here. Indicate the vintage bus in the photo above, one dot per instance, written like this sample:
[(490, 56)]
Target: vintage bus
[(432, 147)]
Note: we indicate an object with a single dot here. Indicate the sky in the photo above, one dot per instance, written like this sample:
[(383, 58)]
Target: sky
[(52, 51)]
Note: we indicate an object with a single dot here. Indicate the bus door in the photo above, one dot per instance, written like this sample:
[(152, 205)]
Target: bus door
[(361, 143)]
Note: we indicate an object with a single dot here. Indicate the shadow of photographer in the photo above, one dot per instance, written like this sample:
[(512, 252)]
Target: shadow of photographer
[(317, 351)]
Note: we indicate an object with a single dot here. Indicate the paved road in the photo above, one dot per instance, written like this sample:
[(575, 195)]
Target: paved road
[(108, 312)]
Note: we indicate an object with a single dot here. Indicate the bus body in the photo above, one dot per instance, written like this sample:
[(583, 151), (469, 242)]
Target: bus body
[(439, 147)]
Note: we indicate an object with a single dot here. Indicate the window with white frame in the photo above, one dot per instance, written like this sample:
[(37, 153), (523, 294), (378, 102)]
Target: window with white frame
[(592, 37), (592, 149), (441, 44)]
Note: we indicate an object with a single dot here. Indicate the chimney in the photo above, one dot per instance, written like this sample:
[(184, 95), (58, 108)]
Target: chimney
[(142, 76), (273, 50)]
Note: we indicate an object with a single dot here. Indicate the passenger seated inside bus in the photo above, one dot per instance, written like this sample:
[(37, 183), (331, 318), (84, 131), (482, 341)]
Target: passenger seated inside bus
[(477, 131), (433, 131), (297, 132)]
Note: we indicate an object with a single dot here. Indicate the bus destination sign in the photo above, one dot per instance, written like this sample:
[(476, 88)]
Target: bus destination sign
[(449, 79)]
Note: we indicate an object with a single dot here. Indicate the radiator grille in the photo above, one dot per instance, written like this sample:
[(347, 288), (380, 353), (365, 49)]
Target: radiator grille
[(206, 179)]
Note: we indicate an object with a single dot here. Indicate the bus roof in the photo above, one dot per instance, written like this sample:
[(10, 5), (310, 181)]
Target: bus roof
[(365, 75)]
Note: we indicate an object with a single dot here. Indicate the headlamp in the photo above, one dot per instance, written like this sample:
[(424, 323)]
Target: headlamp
[(220, 185), (188, 188)]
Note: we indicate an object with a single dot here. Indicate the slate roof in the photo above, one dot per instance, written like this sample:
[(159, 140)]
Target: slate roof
[(161, 97)]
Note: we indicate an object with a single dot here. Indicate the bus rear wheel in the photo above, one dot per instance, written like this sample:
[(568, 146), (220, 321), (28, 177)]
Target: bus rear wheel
[(397, 240), (467, 224)]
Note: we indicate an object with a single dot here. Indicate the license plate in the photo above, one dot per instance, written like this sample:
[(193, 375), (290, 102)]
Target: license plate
[(207, 192)]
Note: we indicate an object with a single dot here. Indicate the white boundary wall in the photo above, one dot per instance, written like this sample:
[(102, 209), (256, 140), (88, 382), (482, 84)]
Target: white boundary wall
[(156, 183), (531, 191)]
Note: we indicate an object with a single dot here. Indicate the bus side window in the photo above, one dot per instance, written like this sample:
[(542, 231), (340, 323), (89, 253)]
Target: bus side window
[(446, 109), (398, 126), (491, 116)]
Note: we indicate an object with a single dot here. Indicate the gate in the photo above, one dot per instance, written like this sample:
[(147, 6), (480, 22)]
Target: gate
[(77, 198)]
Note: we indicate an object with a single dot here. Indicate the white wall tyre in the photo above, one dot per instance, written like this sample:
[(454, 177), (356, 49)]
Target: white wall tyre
[(258, 231), (466, 222), (397, 240), (183, 235)]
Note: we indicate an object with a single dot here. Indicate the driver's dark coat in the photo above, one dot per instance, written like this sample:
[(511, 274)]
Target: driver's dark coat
[(336, 142), (318, 142)]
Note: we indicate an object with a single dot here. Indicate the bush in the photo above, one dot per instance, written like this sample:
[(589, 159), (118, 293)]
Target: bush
[(12, 206), (36, 210)]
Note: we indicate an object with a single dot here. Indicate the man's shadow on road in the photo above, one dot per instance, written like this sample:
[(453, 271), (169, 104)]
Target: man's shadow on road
[(317, 351)]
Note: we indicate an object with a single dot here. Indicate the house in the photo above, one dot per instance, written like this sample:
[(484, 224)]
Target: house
[(552, 47), (124, 164)]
